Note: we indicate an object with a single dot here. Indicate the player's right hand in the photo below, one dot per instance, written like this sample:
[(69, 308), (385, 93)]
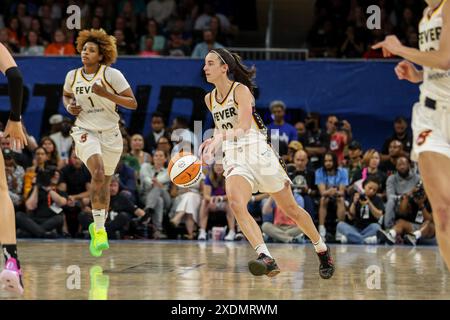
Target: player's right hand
[(73, 109), (16, 135), (405, 70)]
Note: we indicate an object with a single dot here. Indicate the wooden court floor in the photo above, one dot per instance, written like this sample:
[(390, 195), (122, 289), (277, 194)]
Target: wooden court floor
[(218, 270)]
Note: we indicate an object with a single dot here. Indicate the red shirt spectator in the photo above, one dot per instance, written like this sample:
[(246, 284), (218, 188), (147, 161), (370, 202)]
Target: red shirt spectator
[(60, 46)]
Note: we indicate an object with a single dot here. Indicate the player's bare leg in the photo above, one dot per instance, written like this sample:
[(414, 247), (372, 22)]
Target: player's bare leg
[(99, 193), (435, 172), (286, 202), (239, 193), (11, 276)]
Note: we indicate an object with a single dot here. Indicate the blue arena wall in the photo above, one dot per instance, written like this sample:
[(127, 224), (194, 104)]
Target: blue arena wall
[(366, 93)]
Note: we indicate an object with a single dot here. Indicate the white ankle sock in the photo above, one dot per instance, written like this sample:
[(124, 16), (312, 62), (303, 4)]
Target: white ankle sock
[(418, 234), (99, 218), (262, 248), (320, 245)]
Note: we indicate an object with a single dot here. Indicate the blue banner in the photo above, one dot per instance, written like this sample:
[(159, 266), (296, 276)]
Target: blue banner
[(366, 93)]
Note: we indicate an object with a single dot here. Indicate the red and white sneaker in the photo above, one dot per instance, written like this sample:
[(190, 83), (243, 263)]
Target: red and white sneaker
[(11, 277)]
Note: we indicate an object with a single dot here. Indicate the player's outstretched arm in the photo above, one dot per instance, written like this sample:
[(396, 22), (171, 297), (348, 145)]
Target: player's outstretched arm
[(439, 59)]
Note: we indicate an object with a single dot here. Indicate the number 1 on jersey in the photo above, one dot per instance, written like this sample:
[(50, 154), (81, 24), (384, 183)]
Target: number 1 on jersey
[(92, 102)]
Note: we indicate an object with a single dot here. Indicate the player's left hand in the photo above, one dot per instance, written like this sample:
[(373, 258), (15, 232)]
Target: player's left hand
[(99, 90), (17, 137), (391, 46)]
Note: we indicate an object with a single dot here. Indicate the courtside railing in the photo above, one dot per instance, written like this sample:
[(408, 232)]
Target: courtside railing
[(271, 53)]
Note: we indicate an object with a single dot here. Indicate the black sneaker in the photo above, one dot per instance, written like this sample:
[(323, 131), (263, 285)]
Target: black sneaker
[(263, 265), (326, 268), (385, 237), (410, 239)]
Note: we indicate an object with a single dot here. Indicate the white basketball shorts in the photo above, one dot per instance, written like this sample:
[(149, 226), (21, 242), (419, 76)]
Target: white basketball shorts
[(431, 130), (108, 144), (258, 164)]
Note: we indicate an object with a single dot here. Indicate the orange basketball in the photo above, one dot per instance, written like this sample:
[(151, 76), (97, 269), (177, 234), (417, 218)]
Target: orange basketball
[(185, 169)]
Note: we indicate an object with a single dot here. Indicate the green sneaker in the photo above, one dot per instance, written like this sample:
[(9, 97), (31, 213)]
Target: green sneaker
[(99, 284), (99, 241)]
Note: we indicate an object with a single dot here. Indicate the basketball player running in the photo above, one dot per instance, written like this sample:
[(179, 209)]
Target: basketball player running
[(92, 93), (431, 115), (249, 162), (11, 276)]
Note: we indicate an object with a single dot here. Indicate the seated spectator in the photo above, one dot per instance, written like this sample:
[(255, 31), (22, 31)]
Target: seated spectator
[(40, 162), (160, 10), (323, 40), (127, 37), (280, 131), (414, 220), (215, 200), (340, 139), (352, 46), (59, 46), (316, 143), (395, 151), (14, 177), (52, 151), (127, 157), (159, 41), (15, 34), (75, 178), (402, 134), (148, 49), (157, 130), (137, 149), (121, 211), (63, 140), (4, 39), (186, 205), (44, 217), (293, 147), (282, 229), (123, 47), (371, 162), (331, 182), (75, 181), (177, 45), (209, 43), (154, 191), (303, 181), (164, 144), (127, 180), (354, 163), (398, 184), (301, 132), (215, 26), (365, 212), (204, 19), (33, 47)]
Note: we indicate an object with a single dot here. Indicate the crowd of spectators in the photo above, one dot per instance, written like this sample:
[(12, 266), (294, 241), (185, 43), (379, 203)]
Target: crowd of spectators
[(192, 27), (340, 27), (353, 195), (141, 27)]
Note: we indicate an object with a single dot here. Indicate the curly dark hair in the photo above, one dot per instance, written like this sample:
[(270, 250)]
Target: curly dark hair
[(106, 44)]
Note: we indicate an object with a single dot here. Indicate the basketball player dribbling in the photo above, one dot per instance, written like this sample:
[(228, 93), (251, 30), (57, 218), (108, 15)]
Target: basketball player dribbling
[(92, 93), (249, 162), (431, 115), (11, 276)]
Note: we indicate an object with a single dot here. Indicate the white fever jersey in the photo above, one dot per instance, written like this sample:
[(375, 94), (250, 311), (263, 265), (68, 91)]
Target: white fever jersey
[(436, 82), (225, 115), (97, 113)]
